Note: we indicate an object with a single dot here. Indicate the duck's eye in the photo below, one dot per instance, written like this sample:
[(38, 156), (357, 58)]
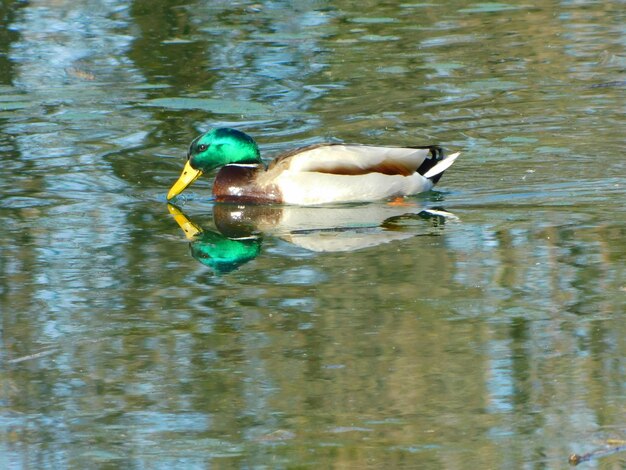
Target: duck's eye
[(202, 147)]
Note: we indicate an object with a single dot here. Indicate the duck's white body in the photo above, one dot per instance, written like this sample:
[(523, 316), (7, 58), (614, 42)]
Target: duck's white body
[(352, 173)]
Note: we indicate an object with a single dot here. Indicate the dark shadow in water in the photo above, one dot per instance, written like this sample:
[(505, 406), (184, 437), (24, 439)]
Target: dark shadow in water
[(8, 36), (238, 231)]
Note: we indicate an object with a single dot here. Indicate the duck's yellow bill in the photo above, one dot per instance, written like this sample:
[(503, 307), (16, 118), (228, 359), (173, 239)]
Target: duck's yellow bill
[(190, 229), (188, 176)]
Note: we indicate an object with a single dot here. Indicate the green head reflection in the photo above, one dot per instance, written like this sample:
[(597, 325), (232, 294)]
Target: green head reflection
[(223, 254), (217, 251)]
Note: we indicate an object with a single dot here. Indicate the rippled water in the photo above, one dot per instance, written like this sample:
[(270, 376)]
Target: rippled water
[(477, 326)]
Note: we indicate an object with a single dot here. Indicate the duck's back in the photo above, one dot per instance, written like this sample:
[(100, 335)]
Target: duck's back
[(352, 159)]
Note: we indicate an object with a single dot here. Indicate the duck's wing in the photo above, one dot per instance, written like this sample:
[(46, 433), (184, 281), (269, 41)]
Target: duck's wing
[(353, 159)]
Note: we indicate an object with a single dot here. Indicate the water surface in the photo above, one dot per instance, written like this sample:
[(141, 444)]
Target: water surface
[(478, 326)]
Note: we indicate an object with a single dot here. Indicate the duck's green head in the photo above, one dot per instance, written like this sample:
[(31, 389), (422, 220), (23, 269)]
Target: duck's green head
[(216, 148)]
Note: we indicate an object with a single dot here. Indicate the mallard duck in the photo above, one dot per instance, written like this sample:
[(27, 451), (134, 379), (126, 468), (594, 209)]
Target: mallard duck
[(317, 174)]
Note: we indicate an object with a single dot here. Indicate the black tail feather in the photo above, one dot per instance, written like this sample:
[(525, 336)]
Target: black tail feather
[(436, 155)]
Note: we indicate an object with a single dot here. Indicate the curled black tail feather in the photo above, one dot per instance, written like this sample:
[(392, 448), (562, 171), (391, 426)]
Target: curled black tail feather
[(436, 155)]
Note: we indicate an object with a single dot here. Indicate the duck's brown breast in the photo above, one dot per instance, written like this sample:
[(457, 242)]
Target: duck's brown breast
[(239, 183)]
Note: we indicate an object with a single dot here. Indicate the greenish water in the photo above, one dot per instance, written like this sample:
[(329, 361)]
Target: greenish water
[(366, 336)]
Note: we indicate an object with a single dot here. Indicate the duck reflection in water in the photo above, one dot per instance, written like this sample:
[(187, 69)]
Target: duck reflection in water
[(239, 229)]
